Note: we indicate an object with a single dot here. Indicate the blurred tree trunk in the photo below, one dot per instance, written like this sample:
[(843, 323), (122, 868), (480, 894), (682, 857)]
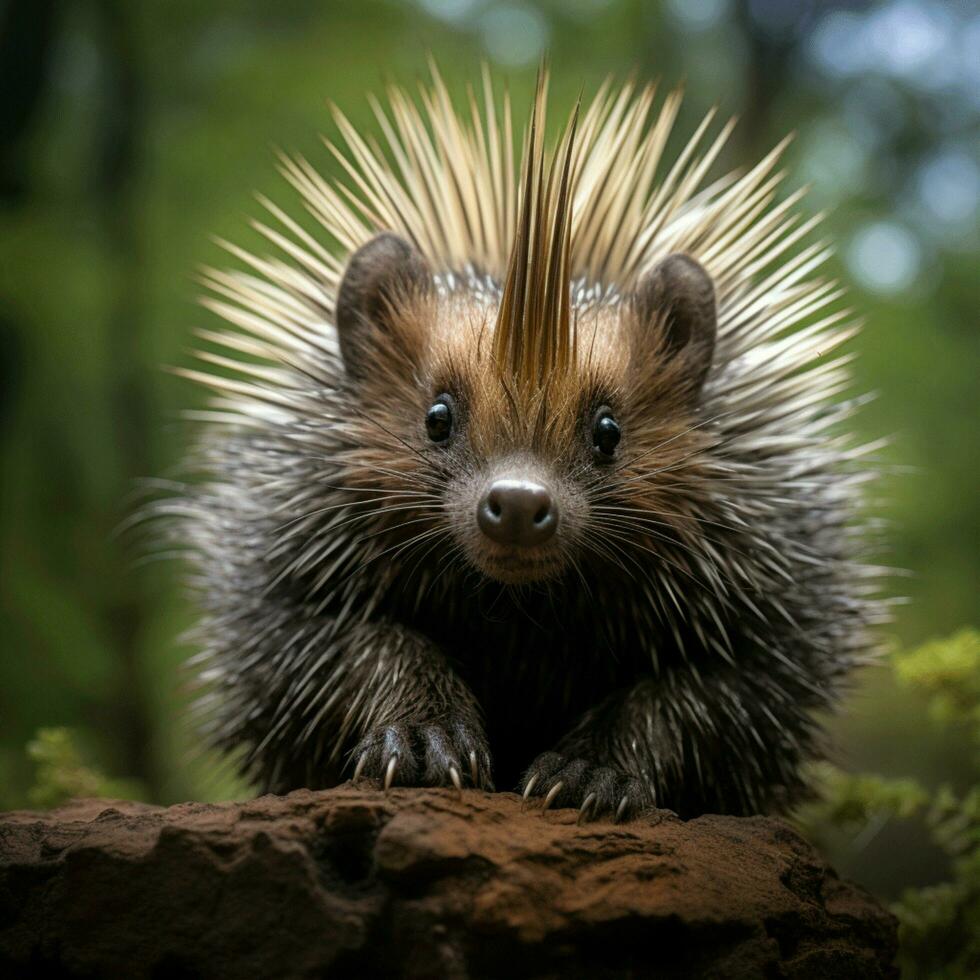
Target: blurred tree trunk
[(770, 58), (30, 31), (121, 137), (27, 32)]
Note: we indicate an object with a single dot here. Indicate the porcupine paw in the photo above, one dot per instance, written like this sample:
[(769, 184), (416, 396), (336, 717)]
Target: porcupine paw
[(444, 753), (596, 790)]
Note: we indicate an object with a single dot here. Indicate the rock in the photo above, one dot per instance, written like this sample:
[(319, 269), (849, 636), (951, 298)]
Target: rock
[(420, 883)]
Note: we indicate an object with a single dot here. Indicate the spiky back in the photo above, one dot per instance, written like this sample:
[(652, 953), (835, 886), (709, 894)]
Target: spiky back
[(449, 183)]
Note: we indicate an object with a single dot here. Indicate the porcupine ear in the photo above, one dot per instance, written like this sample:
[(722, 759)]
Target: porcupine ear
[(380, 274), (679, 294)]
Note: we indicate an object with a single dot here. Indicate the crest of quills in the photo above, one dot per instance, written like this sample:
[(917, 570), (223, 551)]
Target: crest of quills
[(527, 468)]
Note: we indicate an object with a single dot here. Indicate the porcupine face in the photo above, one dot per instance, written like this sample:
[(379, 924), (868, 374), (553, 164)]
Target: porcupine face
[(525, 460), (521, 480)]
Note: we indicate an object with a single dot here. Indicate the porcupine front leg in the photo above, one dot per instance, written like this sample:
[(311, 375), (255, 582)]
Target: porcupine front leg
[(694, 742), (419, 724), (587, 769)]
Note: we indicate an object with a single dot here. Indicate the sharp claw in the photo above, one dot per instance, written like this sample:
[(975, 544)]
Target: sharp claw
[(621, 809), (390, 771), (474, 771), (586, 805), (527, 791), (552, 793), (359, 768), (454, 776)]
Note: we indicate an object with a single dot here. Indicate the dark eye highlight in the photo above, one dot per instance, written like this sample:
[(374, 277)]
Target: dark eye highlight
[(605, 434), (439, 419)]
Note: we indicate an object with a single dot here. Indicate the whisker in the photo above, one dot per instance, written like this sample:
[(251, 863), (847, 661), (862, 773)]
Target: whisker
[(454, 557), (641, 512), (397, 527), (425, 459), (578, 570), (423, 479), (421, 558), (627, 526), (659, 555), (396, 548), (379, 490), (319, 512), (675, 437)]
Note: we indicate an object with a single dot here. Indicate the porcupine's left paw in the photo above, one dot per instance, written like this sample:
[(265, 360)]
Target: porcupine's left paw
[(596, 790), (450, 752)]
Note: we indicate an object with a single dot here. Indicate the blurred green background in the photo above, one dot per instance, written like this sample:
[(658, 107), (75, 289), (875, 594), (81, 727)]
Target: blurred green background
[(131, 132)]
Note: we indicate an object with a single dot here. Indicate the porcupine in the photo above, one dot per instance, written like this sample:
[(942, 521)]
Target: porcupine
[(539, 482)]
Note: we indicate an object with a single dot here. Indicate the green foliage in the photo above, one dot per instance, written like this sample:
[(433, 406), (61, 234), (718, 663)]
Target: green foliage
[(948, 673), (851, 801), (62, 773), (939, 924)]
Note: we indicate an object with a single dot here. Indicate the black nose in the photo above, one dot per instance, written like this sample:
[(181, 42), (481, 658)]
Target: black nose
[(517, 512)]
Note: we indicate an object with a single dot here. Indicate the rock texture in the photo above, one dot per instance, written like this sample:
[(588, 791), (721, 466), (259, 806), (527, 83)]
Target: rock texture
[(420, 883)]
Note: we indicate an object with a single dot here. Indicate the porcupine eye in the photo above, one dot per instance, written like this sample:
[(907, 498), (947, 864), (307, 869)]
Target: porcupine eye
[(605, 435), (439, 419)]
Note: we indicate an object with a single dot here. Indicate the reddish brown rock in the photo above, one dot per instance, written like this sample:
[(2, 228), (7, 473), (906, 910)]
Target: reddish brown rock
[(420, 883)]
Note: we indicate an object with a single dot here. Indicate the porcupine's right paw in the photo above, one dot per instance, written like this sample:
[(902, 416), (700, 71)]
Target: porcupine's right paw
[(445, 753)]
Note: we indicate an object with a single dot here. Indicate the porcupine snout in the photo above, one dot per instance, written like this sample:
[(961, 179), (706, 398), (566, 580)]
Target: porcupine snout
[(517, 512), (519, 521)]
